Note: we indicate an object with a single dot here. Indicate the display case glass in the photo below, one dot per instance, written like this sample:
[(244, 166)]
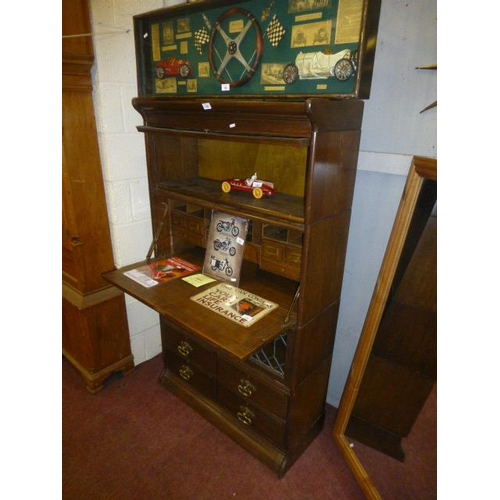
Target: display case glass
[(258, 48)]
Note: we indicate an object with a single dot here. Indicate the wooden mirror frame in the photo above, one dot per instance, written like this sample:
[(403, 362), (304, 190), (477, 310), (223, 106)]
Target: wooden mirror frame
[(421, 168)]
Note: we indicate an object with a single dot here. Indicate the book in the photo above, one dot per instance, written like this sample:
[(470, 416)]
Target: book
[(234, 303), (161, 271)]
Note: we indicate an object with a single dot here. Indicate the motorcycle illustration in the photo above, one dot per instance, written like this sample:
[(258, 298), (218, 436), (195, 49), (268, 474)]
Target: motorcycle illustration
[(221, 266), (225, 246), (228, 226)]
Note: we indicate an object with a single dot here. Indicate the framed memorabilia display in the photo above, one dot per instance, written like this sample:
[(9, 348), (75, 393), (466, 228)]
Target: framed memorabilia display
[(258, 48)]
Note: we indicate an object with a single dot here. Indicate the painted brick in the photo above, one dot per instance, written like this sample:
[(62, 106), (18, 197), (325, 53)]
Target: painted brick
[(109, 108), (140, 317), (139, 194), (119, 205), (131, 241), (125, 158)]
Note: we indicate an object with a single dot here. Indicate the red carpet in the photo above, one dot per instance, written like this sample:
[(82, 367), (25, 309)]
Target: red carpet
[(136, 441)]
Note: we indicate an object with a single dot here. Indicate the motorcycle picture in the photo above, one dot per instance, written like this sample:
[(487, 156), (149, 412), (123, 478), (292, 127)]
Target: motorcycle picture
[(225, 246), (221, 266)]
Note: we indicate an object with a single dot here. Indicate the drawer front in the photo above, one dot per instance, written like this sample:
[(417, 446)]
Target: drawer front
[(252, 389), (288, 270), (273, 251), (252, 417), (187, 348), (281, 259), (190, 374), (195, 225), (293, 255), (179, 220), (281, 253)]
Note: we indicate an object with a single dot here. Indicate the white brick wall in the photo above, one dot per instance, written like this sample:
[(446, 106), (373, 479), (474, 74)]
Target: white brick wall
[(122, 152)]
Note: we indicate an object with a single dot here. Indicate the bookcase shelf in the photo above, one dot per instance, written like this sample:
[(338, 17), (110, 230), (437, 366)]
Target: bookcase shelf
[(208, 193)]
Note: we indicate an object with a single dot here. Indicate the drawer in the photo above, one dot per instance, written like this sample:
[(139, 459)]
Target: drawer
[(251, 416), (196, 226), (273, 251), (281, 258), (190, 230), (281, 252), (179, 220), (192, 224), (189, 373), (187, 347), (293, 255), (289, 270), (252, 389)]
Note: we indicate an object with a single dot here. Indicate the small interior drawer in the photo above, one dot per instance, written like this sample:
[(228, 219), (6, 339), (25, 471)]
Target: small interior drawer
[(293, 255), (196, 226), (179, 220), (273, 251), (285, 269)]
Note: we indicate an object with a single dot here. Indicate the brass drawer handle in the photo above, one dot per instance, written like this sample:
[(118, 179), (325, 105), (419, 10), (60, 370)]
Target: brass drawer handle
[(185, 372), (184, 348), (246, 388), (245, 415)]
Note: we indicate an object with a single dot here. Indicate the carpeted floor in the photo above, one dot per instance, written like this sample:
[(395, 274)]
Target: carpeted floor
[(136, 441)]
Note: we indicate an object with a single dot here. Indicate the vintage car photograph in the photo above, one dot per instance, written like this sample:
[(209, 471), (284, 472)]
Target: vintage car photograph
[(318, 65), (257, 187)]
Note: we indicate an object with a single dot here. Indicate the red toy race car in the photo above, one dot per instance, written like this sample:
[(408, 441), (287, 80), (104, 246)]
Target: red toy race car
[(173, 67), (252, 185)]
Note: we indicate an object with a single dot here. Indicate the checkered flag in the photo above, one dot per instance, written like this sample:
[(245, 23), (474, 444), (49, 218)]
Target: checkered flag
[(275, 32), (201, 37)]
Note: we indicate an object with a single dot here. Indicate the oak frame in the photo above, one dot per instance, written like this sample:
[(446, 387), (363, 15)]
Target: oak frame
[(421, 168)]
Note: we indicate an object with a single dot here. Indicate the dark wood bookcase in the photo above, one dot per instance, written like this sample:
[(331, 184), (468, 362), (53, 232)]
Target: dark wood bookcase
[(265, 386)]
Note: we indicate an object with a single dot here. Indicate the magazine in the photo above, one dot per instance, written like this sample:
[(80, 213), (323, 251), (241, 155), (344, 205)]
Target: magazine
[(236, 304), (161, 271)]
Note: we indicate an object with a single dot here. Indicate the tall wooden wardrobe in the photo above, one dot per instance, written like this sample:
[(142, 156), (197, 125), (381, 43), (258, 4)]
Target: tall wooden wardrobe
[(95, 336)]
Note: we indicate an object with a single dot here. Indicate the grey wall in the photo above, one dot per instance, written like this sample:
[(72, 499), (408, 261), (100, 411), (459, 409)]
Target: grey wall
[(392, 120), (376, 196), (393, 131)]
